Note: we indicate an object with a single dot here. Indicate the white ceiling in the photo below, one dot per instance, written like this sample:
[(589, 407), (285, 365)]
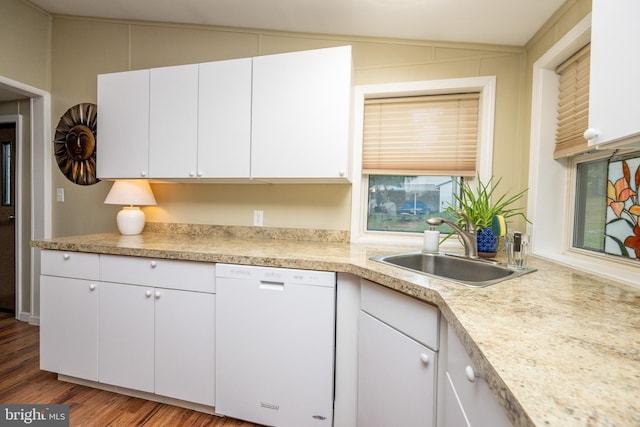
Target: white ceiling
[(510, 22), (505, 22)]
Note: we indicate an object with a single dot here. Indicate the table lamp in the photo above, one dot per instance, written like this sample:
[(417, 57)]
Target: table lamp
[(130, 192)]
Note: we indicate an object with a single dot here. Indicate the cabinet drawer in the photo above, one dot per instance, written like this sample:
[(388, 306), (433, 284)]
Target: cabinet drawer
[(161, 273), (411, 317), (475, 397), (70, 264)]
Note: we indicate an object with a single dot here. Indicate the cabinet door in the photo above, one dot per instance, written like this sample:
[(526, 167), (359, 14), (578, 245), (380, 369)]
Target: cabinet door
[(184, 345), (69, 326), (301, 114), (473, 394), (224, 119), (453, 412), (396, 377), (614, 94), (173, 125), (122, 148), (125, 336)]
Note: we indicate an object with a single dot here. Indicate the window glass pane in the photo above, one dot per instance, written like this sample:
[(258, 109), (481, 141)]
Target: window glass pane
[(623, 207), (6, 174), (590, 210), (403, 203)]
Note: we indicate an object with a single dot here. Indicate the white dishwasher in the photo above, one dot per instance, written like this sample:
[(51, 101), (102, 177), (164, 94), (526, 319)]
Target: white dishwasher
[(275, 342)]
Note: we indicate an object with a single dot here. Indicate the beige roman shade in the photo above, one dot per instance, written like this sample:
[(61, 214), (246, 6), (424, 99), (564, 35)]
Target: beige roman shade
[(573, 105), (421, 135)]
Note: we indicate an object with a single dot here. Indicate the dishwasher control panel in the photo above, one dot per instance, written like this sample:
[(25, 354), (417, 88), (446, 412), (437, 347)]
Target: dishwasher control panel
[(278, 275)]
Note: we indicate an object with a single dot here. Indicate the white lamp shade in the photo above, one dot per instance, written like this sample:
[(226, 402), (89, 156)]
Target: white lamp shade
[(130, 219), (131, 192)]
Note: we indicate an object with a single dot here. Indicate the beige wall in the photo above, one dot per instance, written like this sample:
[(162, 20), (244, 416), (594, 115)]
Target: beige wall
[(25, 58), (82, 48), (24, 43), (567, 17), (102, 46)]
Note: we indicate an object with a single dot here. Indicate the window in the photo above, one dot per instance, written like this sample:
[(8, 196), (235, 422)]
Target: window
[(589, 211), (419, 140), (403, 203), (568, 194), (606, 209), (408, 140)]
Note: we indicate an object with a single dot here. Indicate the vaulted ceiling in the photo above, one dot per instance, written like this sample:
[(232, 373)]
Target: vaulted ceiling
[(504, 22), (510, 22)]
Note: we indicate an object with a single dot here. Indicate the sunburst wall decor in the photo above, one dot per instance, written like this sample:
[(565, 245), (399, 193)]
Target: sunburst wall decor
[(75, 144)]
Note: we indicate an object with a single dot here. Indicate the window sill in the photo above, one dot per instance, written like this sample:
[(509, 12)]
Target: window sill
[(607, 266)]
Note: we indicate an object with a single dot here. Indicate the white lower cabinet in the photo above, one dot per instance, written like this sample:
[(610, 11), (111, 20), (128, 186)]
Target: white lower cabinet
[(69, 326), (185, 346), (126, 336), (397, 369), (154, 333), (69, 314), (396, 377), (167, 309), (468, 400), (169, 345)]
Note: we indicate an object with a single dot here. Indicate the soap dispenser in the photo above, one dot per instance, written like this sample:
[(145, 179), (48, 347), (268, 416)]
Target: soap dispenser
[(431, 240)]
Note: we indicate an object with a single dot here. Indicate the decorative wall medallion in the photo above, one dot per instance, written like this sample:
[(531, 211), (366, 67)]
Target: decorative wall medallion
[(623, 209), (75, 144)]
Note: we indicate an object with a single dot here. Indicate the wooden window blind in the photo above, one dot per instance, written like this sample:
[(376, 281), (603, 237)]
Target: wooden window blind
[(423, 135), (573, 105)]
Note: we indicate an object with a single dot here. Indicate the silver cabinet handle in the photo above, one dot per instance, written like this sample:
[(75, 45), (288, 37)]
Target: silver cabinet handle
[(11, 217)]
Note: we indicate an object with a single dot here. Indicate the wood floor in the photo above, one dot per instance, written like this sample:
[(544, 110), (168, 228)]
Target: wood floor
[(22, 381)]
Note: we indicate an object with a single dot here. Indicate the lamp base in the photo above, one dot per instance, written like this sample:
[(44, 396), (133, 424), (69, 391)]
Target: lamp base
[(130, 220)]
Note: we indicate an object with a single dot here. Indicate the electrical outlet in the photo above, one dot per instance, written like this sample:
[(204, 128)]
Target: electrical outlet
[(258, 218), (59, 194)]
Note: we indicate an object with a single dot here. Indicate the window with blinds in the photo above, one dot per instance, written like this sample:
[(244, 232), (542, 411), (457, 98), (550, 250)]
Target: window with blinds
[(421, 135), (573, 105)]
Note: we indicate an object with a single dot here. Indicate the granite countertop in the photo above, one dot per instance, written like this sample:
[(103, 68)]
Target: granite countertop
[(558, 347)]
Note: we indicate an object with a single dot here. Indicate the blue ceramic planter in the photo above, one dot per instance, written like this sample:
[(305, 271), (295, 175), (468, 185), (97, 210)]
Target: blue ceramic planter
[(487, 242)]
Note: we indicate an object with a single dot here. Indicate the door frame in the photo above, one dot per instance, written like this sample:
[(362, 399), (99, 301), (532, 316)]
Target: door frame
[(40, 213), (16, 119)]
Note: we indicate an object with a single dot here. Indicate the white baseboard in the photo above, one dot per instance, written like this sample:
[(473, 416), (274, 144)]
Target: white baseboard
[(141, 394)]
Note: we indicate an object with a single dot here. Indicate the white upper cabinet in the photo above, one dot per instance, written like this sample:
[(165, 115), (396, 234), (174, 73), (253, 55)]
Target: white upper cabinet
[(224, 119), (301, 115), (123, 125), (274, 118), (614, 95), (173, 125)]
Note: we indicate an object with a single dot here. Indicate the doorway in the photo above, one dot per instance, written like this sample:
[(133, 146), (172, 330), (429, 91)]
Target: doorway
[(8, 217), (34, 215)]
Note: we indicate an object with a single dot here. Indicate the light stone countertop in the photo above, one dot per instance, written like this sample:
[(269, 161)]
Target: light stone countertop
[(558, 347)]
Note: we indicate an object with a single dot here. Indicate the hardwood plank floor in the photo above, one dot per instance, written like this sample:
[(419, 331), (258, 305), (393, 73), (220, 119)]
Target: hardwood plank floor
[(22, 381)]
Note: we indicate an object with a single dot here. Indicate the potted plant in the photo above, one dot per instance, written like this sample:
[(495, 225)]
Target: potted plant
[(480, 205)]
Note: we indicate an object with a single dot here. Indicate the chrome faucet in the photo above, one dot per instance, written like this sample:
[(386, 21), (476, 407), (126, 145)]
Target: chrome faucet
[(468, 234)]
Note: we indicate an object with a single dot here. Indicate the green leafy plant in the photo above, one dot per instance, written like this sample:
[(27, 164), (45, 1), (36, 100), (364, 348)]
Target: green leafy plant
[(480, 206)]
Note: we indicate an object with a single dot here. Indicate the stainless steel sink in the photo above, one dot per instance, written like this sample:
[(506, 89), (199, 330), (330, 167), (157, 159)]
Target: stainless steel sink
[(476, 273)]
